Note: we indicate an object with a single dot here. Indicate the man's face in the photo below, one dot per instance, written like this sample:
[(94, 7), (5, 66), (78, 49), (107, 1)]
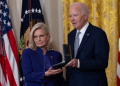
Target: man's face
[(77, 18)]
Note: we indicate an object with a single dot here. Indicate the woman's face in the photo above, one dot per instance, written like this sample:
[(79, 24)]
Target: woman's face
[(40, 38)]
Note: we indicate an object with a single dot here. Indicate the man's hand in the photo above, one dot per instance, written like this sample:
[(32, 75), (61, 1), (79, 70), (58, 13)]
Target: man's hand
[(72, 63)]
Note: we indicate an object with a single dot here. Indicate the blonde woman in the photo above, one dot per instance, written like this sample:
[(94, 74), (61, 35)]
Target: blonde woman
[(38, 58)]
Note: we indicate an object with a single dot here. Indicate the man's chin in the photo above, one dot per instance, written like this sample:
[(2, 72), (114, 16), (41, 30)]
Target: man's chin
[(74, 26)]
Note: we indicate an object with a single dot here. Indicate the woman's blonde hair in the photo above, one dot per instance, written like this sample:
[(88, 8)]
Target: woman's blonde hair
[(44, 27)]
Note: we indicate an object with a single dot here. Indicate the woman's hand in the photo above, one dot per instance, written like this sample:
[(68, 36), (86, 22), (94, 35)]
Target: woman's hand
[(53, 72)]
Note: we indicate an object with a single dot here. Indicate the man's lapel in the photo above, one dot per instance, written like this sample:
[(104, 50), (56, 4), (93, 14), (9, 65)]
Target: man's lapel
[(85, 38)]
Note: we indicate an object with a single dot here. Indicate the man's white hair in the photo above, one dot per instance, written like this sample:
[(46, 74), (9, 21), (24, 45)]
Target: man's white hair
[(83, 8)]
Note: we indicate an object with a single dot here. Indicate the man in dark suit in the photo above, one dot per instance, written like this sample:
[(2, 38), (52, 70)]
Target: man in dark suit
[(90, 50)]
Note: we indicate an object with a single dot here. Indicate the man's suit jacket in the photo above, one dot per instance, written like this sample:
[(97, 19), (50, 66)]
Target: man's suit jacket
[(33, 66), (93, 54)]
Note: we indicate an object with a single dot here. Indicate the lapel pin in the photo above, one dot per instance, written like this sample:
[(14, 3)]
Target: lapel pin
[(87, 34)]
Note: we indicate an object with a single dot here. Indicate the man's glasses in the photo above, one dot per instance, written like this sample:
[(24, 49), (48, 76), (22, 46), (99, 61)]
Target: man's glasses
[(40, 36)]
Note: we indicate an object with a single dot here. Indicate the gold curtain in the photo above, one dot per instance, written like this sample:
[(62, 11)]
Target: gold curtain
[(104, 14)]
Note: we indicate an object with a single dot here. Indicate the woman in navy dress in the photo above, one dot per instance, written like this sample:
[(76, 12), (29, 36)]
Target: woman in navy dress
[(38, 58)]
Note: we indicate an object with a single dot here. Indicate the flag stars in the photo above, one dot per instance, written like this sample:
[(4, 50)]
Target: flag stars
[(1, 3), (21, 79), (4, 21), (5, 13), (8, 24), (36, 10), (39, 11), (29, 11), (3, 28), (22, 20), (6, 6), (0, 11), (26, 12), (9, 17), (33, 10)]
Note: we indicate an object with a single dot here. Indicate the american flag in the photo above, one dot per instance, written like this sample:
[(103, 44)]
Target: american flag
[(8, 51), (118, 66)]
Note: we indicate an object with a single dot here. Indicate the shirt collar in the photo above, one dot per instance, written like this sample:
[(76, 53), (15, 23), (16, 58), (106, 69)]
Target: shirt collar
[(84, 28)]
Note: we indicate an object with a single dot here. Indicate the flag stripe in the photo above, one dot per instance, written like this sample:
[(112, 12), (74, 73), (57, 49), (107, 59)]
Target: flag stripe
[(12, 67), (10, 74), (118, 65), (2, 61), (119, 46), (12, 44), (2, 78), (119, 51), (0, 84), (118, 70), (9, 67), (8, 84), (118, 81)]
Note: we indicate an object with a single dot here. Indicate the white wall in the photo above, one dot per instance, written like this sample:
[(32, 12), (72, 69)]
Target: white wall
[(53, 14)]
